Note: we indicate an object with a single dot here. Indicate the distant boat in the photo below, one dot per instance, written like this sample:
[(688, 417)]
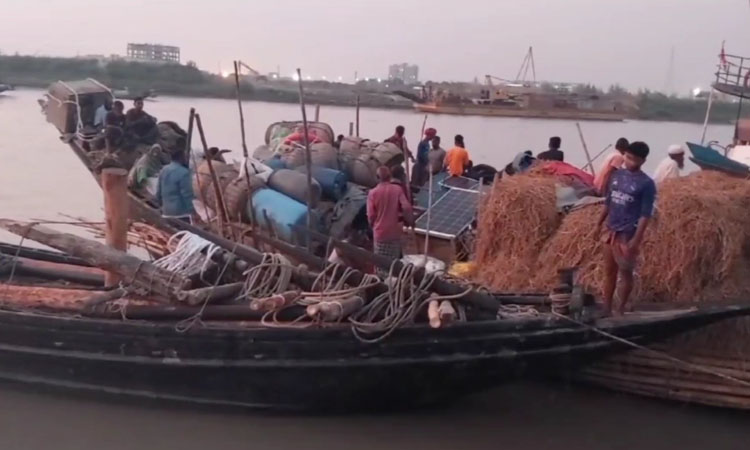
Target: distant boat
[(127, 94), (5, 87)]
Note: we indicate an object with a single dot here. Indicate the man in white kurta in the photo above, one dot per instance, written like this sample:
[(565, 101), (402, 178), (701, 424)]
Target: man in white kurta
[(671, 166)]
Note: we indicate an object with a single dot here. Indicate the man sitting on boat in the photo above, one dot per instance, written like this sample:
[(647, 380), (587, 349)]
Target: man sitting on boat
[(101, 113), (140, 125), (175, 189), (554, 153), (457, 158), (672, 165), (387, 212), (116, 117)]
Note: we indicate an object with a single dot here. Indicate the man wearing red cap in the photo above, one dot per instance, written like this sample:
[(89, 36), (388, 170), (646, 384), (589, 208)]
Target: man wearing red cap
[(419, 174)]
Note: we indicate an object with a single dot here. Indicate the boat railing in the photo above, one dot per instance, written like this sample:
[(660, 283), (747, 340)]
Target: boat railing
[(733, 75)]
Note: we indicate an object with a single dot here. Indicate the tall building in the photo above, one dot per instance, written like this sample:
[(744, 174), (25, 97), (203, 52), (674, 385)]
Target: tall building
[(154, 53), (408, 73)]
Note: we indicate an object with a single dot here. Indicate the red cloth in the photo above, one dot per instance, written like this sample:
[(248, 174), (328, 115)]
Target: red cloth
[(563, 168), (430, 132), (300, 138), (385, 204)]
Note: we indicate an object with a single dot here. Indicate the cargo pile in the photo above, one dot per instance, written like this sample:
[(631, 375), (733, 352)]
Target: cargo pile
[(696, 249)]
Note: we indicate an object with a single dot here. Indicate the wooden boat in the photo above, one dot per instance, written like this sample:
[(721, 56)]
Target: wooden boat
[(44, 340), (232, 358)]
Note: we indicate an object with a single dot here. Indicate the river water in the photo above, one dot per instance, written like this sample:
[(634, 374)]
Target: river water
[(41, 179)]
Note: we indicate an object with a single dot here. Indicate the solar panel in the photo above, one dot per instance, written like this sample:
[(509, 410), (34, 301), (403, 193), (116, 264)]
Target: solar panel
[(460, 183), (450, 215)]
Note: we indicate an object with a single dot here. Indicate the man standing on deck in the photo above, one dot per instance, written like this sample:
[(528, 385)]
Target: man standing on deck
[(554, 153), (421, 166), (629, 207), (175, 189), (671, 166), (387, 212), (399, 140), (457, 159), (612, 163), (437, 156)]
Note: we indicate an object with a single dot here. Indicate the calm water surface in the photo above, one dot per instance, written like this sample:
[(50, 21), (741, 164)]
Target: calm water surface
[(40, 178)]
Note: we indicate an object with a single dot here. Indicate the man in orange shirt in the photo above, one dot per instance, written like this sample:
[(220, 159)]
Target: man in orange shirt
[(457, 159)]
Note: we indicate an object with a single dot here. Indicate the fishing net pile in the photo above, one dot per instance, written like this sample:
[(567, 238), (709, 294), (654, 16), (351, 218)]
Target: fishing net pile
[(697, 247)]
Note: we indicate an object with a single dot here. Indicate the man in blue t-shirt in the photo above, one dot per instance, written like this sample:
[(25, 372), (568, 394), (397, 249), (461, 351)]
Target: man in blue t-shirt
[(629, 207)]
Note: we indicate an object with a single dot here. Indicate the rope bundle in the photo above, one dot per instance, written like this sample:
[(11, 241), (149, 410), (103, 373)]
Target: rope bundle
[(188, 255)]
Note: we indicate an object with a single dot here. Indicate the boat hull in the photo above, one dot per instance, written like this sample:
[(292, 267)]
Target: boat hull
[(494, 111), (302, 369)]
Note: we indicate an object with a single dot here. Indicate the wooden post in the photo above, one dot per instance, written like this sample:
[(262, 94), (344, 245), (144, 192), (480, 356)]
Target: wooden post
[(317, 112), (115, 188), (221, 206), (351, 128), (245, 154), (189, 151), (586, 149), (357, 116), (308, 157)]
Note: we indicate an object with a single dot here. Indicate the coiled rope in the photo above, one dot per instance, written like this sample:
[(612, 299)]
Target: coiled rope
[(271, 276), (189, 255), (396, 307)]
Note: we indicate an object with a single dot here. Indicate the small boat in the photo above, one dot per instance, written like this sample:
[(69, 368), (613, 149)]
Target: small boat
[(234, 357), (708, 158), (127, 94), (5, 87)]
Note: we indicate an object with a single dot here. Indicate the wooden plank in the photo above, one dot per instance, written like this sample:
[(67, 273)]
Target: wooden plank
[(133, 270)]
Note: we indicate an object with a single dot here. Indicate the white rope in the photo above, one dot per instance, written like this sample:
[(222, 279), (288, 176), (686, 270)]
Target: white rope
[(189, 254)]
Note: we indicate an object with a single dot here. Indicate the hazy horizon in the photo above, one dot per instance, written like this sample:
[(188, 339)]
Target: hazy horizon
[(596, 41)]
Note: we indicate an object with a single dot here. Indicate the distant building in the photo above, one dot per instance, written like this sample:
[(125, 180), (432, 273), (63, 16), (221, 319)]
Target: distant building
[(154, 53), (408, 73)]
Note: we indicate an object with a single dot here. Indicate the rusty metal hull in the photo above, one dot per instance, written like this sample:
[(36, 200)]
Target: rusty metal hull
[(531, 113)]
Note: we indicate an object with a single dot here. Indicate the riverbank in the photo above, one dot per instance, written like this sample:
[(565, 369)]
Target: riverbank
[(189, 81), (184, 81)]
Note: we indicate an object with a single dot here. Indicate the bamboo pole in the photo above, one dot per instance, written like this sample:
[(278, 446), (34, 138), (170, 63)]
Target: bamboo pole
[(245, 153), (357, 115), (708, 116), (189, 151), (115, 189), (308, 157), (596, 157), (222, 213), (586, 149)]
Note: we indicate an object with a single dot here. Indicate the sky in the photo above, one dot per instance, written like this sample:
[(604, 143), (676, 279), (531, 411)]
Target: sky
[(604, 42)]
